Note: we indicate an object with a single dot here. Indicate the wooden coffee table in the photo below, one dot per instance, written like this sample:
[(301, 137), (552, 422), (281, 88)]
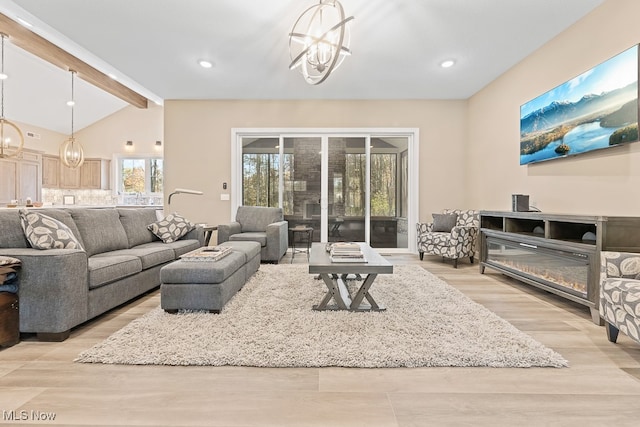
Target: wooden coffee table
[(334, 275)]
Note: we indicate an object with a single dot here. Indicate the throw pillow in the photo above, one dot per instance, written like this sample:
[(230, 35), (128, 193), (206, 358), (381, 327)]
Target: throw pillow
[(44, 232), (444, 222), (171, 228)]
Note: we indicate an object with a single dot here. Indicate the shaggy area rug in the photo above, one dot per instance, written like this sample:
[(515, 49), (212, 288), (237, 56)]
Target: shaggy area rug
[(270, 323)]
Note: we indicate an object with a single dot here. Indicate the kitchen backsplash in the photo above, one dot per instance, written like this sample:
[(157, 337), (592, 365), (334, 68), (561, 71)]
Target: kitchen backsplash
[(56, 196)]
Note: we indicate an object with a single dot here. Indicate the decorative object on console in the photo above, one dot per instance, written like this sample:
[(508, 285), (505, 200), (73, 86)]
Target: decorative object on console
[(9, 132), (319, 41), (595, 110), (71, 151), (183, 191), (520, 202)]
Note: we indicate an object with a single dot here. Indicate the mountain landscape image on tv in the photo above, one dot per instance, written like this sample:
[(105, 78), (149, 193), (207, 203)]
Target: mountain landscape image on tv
[(595, 110)]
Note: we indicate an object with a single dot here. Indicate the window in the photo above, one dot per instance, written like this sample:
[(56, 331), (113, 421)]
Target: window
[(140, 175)]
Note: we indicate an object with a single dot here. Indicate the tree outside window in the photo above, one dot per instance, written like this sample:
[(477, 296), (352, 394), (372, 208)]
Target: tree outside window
[(141, 175)]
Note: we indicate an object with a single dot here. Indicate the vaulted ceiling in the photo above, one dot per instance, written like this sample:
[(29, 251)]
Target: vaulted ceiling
[(153, 46)]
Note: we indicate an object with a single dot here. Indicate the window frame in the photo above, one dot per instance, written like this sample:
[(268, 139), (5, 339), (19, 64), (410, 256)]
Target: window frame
[(117, 169)]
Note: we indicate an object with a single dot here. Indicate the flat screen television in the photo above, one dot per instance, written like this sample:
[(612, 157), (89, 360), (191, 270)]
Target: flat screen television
[(597, 109)]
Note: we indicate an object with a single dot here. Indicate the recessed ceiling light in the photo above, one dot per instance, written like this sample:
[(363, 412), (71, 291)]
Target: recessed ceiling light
[(71, 103), (448, 63), (3, 76), (205, 64)]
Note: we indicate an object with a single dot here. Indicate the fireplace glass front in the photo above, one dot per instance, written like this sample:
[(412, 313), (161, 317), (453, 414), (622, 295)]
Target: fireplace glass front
[(565, 270)]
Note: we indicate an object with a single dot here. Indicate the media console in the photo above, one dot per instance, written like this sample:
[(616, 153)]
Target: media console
[(557, 253)]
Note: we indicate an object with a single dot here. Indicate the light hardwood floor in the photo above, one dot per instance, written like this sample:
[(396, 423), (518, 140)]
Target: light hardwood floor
[(601, 386)]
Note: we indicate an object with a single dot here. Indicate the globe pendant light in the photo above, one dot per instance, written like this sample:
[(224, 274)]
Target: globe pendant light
[(319, 41), (71, 152), (11, 138)]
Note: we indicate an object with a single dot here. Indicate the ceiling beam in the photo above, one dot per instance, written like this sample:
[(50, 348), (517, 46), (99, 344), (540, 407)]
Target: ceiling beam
[(44, 49)]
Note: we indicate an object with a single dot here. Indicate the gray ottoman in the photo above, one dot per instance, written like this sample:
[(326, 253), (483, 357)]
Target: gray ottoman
[(208, 285)]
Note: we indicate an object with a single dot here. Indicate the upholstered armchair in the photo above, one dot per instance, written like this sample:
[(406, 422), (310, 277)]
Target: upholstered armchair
[(259, 224), (452, 234), (620, 294)]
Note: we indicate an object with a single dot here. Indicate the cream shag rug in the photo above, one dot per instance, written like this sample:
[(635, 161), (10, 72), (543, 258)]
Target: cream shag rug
[(270, 323)]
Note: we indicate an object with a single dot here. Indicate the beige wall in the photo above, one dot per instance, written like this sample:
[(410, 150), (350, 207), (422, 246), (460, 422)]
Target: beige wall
[(604, 182), (198, 144), (107, 137), (49, 141)]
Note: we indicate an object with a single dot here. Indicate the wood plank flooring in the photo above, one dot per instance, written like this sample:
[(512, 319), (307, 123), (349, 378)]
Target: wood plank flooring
[(601, 386)]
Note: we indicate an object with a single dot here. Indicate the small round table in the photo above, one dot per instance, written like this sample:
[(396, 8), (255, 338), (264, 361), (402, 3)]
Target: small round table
[(305, 236)]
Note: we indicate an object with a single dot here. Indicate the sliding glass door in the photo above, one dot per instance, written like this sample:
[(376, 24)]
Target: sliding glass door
[(348, 187)]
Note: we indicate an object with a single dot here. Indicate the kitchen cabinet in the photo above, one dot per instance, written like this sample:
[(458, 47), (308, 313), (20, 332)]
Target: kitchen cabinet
[(50, 171), (21, 177), (69, 178), (94, 174)]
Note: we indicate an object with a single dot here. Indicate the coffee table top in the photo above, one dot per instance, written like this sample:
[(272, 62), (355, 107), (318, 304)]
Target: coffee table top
[(320, 262)]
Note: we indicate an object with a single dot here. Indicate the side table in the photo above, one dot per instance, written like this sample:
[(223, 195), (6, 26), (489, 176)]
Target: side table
[(208, 232), (305, 236)]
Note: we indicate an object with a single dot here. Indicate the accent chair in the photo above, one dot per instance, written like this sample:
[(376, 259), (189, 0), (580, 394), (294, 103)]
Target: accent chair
[(453, 234), (259, 224), (620, 294)]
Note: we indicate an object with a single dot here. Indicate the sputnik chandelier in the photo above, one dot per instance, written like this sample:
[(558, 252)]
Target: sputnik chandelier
[(71, 152), (11, 138), (319, 41)]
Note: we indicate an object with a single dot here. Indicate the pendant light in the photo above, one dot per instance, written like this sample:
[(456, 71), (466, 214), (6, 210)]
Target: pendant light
[(11, 138), (71, 152), (319, 41)]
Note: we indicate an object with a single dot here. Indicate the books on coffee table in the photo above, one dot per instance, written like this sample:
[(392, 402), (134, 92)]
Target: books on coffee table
[(207, 253), (346, 252)]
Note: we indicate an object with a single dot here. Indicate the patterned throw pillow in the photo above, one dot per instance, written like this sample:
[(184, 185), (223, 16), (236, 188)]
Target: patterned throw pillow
[(171, 228), (444, 222), (44, 232)]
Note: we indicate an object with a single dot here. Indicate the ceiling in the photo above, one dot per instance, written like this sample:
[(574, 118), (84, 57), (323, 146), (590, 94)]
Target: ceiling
[(153, 47)]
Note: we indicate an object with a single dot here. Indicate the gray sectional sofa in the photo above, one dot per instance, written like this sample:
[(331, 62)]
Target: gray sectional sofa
[(121, 259)]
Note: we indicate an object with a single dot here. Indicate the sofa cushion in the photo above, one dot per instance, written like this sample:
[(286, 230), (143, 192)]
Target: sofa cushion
[(135, 222), (191, 272), (181, 247), (256, 218), (249, 249), (171, 228), (256, 236), (106, 268), (444, 222), (150, 254), (11, 233), (100, 230), (45, 232)]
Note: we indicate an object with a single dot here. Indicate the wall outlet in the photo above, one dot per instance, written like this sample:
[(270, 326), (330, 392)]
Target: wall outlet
[(225, 196)]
